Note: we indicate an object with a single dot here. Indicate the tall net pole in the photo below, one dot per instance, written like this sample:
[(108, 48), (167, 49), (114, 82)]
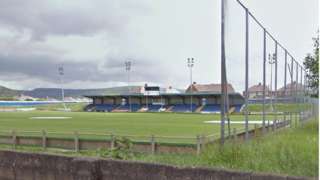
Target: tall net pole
[(264, 78), (292, 86), (223, 74), (276, 81), (247, 76)]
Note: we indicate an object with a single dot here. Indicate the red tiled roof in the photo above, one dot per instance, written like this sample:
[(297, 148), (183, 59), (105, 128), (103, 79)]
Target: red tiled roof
[(209, 88), (292, 87), (258, 88)]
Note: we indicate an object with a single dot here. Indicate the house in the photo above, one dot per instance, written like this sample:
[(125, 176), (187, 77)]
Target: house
[(256, 91), (291, 89), (208, 88)]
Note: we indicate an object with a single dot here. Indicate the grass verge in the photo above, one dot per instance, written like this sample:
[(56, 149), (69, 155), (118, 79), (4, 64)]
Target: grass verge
[(292, 151)]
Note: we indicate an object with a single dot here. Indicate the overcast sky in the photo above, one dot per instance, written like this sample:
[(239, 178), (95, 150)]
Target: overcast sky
[(93, 39)]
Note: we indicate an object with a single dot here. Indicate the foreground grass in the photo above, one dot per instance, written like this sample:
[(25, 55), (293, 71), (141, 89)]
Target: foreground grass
[(291, 152)]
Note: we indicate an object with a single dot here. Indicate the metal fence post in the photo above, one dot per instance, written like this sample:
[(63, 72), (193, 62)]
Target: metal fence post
[(153, 145), (76, 141), (44, 140), (14, 139)]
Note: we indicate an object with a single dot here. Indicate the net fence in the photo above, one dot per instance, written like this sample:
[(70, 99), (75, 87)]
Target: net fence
[(271, 80)]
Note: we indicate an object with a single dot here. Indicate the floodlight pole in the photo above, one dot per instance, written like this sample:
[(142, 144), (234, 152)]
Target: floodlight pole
[(147, 94), (190, 65), (128, 68), (61, 74), (271, 62)]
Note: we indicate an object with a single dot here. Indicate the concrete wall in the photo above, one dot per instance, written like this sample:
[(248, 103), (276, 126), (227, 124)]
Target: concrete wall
[(28, 166)]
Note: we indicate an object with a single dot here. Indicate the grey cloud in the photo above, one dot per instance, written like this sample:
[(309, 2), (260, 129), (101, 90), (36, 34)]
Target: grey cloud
[(44, 18), (45, 67)]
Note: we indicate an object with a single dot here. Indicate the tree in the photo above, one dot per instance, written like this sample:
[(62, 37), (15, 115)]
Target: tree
[(311, 64)]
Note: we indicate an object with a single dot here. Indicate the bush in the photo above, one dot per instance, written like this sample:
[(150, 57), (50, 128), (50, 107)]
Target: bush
[(122, 150)]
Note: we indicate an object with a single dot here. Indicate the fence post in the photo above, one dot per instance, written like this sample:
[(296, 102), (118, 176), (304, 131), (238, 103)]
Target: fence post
[(44, 140), (234, 134), (198, 145), (291, 119), (268, 125), (76, 141), (274, 125), (112, 142), (14, 139), (256, 130), (153, 145), (296, 120), (203, 141), (300, 116)]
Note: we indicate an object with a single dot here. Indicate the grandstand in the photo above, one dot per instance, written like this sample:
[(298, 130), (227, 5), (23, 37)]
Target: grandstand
[(201, 99)]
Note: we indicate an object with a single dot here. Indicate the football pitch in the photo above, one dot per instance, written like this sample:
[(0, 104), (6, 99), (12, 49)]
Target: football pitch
[(170, 125)]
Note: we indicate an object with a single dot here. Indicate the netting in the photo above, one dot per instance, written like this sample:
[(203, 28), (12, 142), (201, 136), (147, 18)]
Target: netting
[(272, 82)]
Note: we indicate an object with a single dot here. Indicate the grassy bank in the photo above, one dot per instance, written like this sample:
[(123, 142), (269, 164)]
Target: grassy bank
[(291, 152)]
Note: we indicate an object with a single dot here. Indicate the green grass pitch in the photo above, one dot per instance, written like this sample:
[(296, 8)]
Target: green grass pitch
[(137, 124)]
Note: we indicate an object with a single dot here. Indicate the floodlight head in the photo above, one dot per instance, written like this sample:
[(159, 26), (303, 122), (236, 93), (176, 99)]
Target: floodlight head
[(272, 58), (190, 62), (61, 70), (128, 65)]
